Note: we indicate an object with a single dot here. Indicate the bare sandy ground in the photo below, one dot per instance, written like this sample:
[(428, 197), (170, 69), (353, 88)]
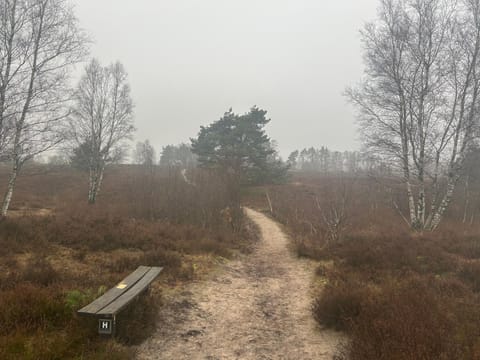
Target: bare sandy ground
[(257, 307)]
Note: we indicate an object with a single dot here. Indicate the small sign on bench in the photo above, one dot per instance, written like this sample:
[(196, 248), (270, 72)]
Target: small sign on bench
[(105, 326)]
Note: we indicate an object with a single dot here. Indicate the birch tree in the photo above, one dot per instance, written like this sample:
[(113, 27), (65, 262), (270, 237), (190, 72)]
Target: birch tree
[(40, 41), (418, 101), (144, 154), (102, 118)]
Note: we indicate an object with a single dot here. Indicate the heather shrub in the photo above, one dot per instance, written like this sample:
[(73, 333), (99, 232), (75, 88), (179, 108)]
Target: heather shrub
[(31, 307), (394, 253), (405, 320), (338, 304), (39, 271), (470, 273), (467, 246)]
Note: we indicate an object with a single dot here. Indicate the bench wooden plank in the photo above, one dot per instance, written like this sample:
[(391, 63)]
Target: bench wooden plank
[(111, 295), (124, 299)]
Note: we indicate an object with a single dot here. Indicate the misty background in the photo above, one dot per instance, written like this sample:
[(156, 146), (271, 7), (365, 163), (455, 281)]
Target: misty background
[(189, 61)]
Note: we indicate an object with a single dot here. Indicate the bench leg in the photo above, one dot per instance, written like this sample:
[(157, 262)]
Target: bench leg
[(114, 325)]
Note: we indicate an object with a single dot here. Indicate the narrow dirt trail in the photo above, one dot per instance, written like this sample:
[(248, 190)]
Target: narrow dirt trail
[(257, 307)]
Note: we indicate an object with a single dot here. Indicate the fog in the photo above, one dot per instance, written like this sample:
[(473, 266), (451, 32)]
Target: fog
[(189, 61)]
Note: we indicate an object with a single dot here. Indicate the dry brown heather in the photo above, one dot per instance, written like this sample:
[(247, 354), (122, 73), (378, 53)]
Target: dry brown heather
[(398, 295), (57, 253)]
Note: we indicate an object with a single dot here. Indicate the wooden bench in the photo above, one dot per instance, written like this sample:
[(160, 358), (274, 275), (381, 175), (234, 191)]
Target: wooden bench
[(106, 307)]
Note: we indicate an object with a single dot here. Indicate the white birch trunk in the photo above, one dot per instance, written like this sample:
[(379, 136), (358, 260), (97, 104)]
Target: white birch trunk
[(95, 183), (421, 208), (19, 125), (10, 187), (411, 205), (100, 180), (437, 218), (91, 187)]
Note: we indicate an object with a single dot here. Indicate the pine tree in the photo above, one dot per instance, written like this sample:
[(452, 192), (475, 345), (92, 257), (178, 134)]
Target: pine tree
[(238, 146)]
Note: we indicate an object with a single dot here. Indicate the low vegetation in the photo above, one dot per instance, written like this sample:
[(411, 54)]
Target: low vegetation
[(397, 294), (62, 255)]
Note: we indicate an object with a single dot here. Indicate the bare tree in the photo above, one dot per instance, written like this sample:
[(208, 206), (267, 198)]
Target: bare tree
[(40, 41), (334, 212), (102, 119), (144, 154), (418, 102)]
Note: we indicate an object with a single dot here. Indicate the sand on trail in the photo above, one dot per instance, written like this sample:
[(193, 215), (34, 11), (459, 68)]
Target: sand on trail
[(256, 307)]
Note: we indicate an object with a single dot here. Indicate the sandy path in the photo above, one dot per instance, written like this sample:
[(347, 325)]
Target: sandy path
[(257, 307)]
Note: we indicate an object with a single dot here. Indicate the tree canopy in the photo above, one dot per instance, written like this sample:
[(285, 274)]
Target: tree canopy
[(144, 154), (238, 146), (177, 155), (102, 117)]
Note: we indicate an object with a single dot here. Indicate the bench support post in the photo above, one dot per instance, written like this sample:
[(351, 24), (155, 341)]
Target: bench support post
[(114, 325)]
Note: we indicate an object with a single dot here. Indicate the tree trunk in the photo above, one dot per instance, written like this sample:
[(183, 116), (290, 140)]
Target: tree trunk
[(10, 187), (467, 199), (100, 180), (421, 208), (411, 206), (19, 125), (437, 218), (95, 183), (92, 186)]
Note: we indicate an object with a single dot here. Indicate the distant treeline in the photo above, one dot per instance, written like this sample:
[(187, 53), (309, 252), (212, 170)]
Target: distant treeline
[(332, 162)]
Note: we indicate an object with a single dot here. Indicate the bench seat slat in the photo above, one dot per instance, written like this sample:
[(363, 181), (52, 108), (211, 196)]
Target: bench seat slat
[(112, 294), (124, 299)]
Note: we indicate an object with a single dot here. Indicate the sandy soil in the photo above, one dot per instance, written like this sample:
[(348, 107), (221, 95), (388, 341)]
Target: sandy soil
[(29, 212), (256, 307)]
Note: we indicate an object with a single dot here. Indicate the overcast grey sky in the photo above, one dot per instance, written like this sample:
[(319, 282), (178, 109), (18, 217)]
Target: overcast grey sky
[(191, 60)]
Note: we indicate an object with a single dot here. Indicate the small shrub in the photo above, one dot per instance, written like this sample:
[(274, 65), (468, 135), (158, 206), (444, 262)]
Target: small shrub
[(470, 273), (80, 255), (337, 305), (39, 271), (32, 307), (124, 263), (75, 299), (170, 260), (217, 246), (321, 270), (309, 248), (187, 272), (465, 246)]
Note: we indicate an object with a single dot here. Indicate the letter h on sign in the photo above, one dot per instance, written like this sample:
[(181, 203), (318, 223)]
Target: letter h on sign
[(105, 326)]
